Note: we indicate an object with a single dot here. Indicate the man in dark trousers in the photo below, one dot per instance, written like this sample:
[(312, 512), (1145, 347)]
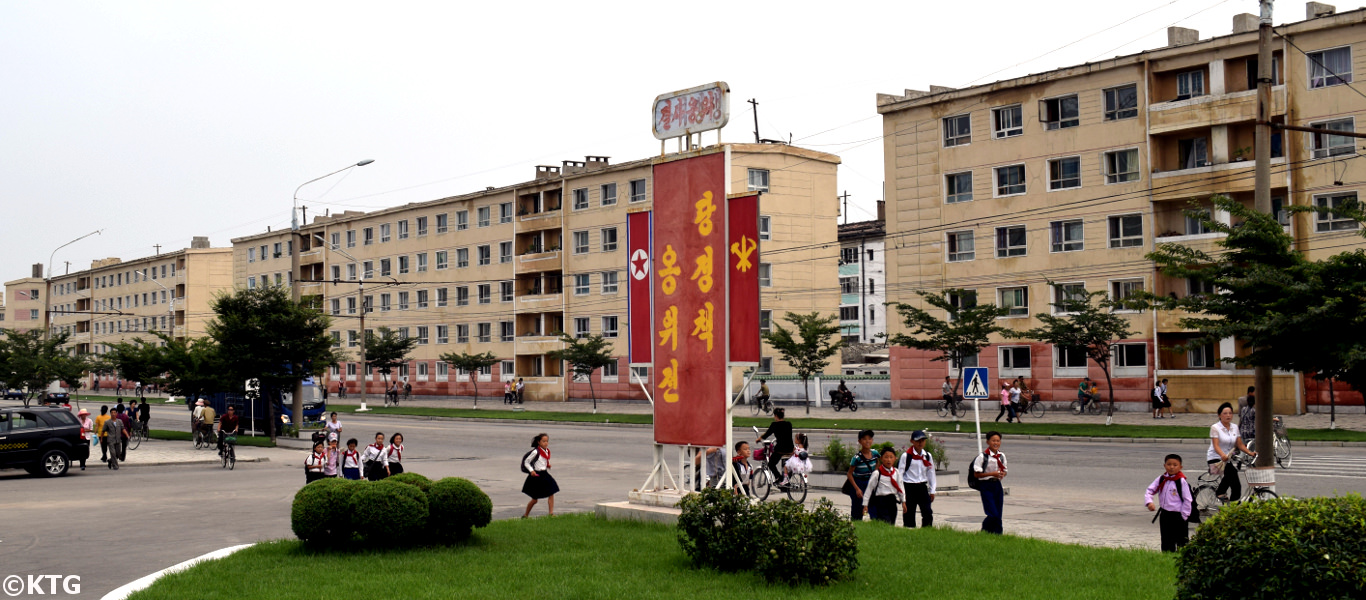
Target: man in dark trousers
[(781, 431)]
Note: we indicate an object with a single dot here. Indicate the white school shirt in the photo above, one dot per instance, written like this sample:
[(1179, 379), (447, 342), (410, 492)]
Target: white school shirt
[(315, 461), (534, 462), (373, 453), (1228, 438), (913, 470), (883, 486), (394, 454), (985, 465), (350, 459)]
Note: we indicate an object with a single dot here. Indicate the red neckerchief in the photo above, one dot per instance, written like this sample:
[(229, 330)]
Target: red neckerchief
[(545, 455), (348, 453), (400, 452), (890, 474), (1165, 478), (379, 449), (923, 458), (318, 460), (999, 465)]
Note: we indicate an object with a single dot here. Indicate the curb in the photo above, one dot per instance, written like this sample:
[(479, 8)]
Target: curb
[(168, 463), (142, 583)]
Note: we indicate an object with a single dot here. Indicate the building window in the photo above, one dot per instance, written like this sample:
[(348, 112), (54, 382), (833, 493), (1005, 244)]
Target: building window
[(351, 239), (609, 239), (367, 235), (1190, 84), (1064, 173), (765, 275), (483, 216), (1125, 289), (1070, 358), (402, 231), (251, 283), (505, 212), (442, 223), (966, 361), (1327, 220), (848, 313), (1060, 113), (580, 242), (581, 284), (485, 255), (1199, 355), (1121, 102), (758, 180), (1330, 67), (384, 304), (505, 252), (350, 306), (581, 327), (462, 257), (638, 190), (609, 194), (441, 261), (505, 291), (962, 246), (1016, 300), (422, 340), (422, 296), (462, 220), (1198, 223), (336, 306), (580, 198), (957, 131), (462, 334), (1327, 144), (421, 226), (848, 285), (485, 293), (766, 365), (1010, 180), (506, 331), (1010, 241), (609, 327), (485, 332), (462, 296), (1130, 355), (609, 370), (848, 256), (1007, 121), (765, 228), (251, 255), (765, 321), (1126, 231), (369, 269), (1066, 236), (958, 187), (442, 296), (609, 282), (384, 267), (1067, 293), (1015, 358), (1121, 166), (352, 340)]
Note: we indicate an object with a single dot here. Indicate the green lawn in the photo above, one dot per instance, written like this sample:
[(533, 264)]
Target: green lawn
[(578, 556), (853, 423), (242, 440)]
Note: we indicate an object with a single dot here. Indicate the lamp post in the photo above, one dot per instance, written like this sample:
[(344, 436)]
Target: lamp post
[(298, 403), (360, 301), (47, 284)]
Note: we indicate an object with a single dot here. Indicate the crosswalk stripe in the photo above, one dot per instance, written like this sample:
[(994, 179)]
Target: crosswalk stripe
[(1331, 466)]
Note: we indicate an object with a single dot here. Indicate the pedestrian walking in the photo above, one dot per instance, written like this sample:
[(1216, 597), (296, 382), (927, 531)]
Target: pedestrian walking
[(539, 483), (1224, 437), (123, 418), (95, 385), (1247, 416), (351, 461), (118, 388), (861, 468), (332, 457), (917, 476), (393, 456), (989, 468), (1157, 400), (508, 396), (407, 390), (372, 459), (313, 465), (521, 388), (884, 488), (99, 430), (113, 432), (1007, 409), (87, 429), (1167, 401), (1170, 495), (333, 426)]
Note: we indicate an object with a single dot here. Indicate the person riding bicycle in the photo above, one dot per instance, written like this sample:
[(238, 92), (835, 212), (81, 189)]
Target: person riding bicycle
[(947, 390), (762, 398), (228, 425), (145, 415), (1084, 393), (781, 431)]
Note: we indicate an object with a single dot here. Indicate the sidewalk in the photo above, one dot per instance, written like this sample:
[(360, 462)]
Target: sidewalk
[(158, 453)]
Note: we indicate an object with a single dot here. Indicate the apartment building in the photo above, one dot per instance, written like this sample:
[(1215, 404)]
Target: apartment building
[(1073, 175), (117, 301), (863, 280), (503, 269), (25, 309)]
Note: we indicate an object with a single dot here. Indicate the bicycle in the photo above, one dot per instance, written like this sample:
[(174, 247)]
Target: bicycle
[(761, 404), (1207, 499), (229, 451), (1280, 443), (203, 436), (1092, 406), (1032, 404), (137, 435), (765, 478), (954, 407)]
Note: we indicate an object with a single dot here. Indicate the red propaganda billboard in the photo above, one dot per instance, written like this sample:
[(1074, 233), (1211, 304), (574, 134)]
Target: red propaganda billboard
[(641, 340), (742, 212), (690, 301)]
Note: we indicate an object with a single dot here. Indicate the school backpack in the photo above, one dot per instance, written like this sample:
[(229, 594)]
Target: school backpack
[(524, 457), (973, 470)]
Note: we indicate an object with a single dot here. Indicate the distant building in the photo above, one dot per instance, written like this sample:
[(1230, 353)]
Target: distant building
[(24, 308), (863, 280)]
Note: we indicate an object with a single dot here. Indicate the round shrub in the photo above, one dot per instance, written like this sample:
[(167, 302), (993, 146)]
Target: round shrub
[(1286, 548), (321, 513), (717, 529), (388, 512), (457, 506), (796, 546), (419, 481)]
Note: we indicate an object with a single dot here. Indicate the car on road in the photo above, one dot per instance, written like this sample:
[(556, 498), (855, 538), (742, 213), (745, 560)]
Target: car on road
[(15, 394), (41, 440), (57, 398)]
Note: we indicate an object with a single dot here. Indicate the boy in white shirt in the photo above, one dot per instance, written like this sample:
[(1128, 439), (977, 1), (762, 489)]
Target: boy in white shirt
[(917, 475)]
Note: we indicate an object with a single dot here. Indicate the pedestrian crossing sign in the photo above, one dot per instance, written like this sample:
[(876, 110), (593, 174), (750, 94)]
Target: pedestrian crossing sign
[(975, 383)]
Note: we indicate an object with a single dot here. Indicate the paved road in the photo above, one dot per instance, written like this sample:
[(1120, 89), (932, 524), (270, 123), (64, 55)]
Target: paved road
[(113, 527)]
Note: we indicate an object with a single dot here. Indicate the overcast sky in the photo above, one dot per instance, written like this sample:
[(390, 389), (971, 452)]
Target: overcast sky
[(159, 121)]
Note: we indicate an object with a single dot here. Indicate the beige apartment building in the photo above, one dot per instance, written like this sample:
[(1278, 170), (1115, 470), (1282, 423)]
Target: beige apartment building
[(24, 308), (117, 301), (1074, 175), (502, 269)]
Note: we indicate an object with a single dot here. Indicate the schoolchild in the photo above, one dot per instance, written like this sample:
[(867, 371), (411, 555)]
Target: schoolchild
[(1170, 496), (351, 460), (372, 459), (884, 492)]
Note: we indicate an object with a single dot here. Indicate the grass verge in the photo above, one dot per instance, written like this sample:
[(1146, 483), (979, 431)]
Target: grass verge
[(242, 440), (546, 558), (880, 425)]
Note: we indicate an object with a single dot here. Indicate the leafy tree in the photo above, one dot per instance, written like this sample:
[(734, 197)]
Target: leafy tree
[(69, 368), (811, 354), (472, 364), (584, 356), (31, 360), (193, 367), (967, 329), (263, 334), (1088, 323), (140, 360), (387, 350)]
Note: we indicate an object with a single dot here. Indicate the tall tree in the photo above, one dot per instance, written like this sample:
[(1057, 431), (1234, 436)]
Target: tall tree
[(194, 367), (584, 356), (30, 360), (140, 360), (1084, 321), (967, 328), (262, 334), (386, 351), (806, 348), (471, 363)]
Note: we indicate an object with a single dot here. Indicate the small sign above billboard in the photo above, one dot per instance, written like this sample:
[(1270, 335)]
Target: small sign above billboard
[(694, 110)]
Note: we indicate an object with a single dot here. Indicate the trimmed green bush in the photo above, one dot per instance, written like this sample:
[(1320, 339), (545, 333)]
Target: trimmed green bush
[(321, 511), (839, 454), (419, 481), (389, 512), (797, 546), (457, 506), (1286, 548), (717, 529)]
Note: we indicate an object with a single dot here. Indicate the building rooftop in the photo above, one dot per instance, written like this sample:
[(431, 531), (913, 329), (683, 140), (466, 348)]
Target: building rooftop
[(863, 229)]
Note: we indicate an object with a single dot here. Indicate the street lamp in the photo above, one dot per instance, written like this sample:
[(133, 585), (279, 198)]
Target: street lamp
[(360, 301), (47, 301), (298, 403)]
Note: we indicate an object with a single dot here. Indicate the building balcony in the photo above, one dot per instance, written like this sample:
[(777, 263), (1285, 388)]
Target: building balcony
[(1205, 181), (1168, 321), (311, 257), (539, 261), (1203, 242), (542, 220), (1210, 110), (538, 344), (539, 302)]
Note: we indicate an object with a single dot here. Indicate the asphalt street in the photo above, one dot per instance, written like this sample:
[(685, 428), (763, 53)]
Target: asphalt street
[(113, 527)]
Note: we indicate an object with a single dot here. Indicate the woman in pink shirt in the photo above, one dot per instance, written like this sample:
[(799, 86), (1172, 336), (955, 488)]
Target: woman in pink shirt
[(1007, 409)]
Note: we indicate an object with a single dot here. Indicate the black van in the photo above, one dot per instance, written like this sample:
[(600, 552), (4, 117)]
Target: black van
[(41, 440)]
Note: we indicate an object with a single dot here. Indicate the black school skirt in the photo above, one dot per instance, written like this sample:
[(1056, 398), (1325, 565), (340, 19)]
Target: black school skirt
[(540, 486), (374, 470), (395, 468)]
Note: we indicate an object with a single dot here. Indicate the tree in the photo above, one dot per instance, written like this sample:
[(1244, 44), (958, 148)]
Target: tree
[(584, 356), (194, 367), (1087, 322), (262, 334), (386, 351), (967, 329), (30, 360), (140, 360), (471, 363), (811, 354)]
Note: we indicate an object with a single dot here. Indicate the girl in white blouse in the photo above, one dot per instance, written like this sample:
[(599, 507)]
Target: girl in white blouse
[(885, 493), (372, 458), (393, 456), (313, 465)]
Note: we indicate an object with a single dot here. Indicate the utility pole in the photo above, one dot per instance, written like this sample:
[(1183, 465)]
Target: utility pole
[(360, 293), (845, 198), (1264, 471), (158, 247), (755, 104)]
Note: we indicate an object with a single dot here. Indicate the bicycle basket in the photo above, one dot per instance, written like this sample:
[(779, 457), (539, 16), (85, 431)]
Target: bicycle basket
[(759, 454), (232, 439)]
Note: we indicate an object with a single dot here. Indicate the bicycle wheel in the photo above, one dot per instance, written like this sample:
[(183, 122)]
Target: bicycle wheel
[(134, 440), (1094, 407), (754, 407), (768, 406), (796, 488), (942, 409), (1076, 407), (1264, 494), (198, 440), (1207, 500), (1282, 452), (960, 409), (1036, 409), (224, 456), (762, 483)]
